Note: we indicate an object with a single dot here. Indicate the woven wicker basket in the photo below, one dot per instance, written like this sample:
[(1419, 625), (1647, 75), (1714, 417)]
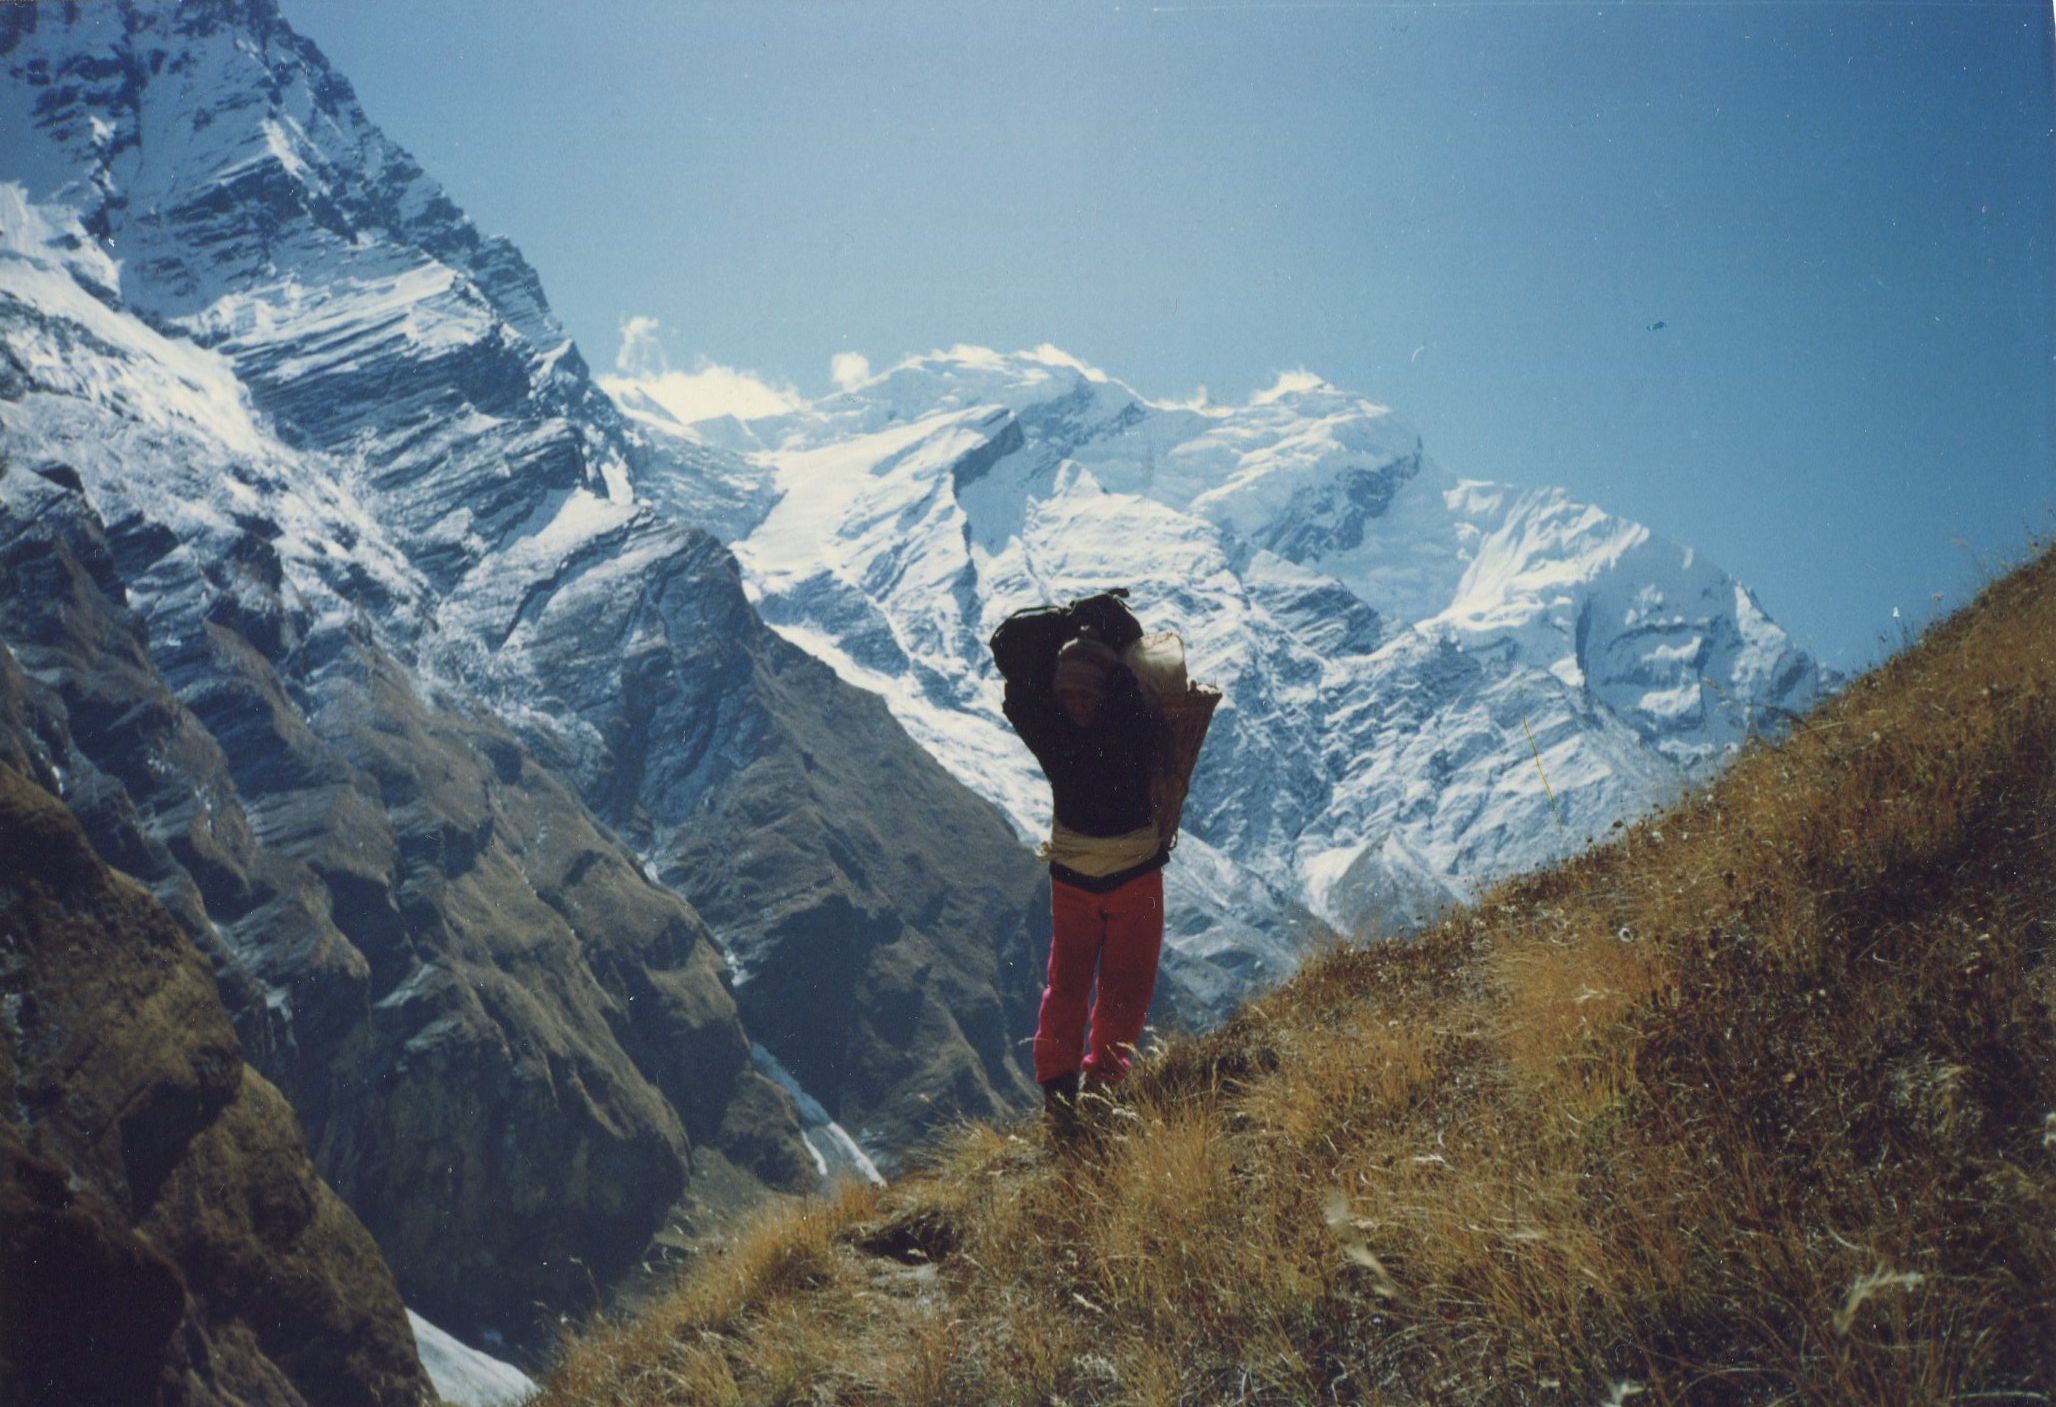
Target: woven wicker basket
[(1186, 717)]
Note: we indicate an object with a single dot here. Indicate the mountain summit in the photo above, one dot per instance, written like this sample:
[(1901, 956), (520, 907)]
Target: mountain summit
[(362, 651), (1432, 683)]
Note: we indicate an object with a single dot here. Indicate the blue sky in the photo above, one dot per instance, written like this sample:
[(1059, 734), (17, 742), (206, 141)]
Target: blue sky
[(1841, 214)]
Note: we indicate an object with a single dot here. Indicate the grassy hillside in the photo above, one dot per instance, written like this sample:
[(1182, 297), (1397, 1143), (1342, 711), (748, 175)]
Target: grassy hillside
[(1756, 1102)]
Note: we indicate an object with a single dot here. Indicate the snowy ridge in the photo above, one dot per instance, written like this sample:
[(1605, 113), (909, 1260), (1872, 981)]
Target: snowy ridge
[(230, 190), (326, 314), (338, 383), (218, 471), (1388, 635)]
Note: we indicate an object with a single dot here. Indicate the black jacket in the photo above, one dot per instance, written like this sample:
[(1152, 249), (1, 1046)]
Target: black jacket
[(1099, 775)]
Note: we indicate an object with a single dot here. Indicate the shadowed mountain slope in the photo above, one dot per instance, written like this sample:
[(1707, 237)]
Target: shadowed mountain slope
[(509, 1048), (164, 1237)]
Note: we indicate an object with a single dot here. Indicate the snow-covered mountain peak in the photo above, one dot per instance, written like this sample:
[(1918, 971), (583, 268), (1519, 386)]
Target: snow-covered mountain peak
[(251, 206), (1044, 382), (140, 108), (1388, 634), (376, 664)]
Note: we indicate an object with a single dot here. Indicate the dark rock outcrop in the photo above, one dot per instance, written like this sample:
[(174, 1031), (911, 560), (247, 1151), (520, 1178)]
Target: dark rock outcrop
[(887, 926), (371, 322), (165, 1236), (509, 1046)]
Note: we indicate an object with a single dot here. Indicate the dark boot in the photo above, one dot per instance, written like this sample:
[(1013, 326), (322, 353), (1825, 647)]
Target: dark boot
[(1060, 1108)]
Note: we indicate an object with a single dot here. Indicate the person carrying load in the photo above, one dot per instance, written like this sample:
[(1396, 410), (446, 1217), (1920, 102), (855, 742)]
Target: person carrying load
[(1117, 728)]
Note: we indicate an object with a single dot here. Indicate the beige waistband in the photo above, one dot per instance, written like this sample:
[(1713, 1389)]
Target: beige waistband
[(1097, 855)]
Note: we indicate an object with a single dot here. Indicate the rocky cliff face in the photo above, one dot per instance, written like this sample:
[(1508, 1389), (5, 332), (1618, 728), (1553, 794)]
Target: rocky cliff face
[(164, 1234), (328, 544), (509, 1047), (897, 983)]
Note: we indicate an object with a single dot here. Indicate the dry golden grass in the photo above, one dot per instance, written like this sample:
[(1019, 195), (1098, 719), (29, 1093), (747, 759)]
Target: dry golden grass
[(1756, 1103)]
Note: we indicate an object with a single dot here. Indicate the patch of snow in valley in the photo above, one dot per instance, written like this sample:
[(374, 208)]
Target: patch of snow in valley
[(465, 1376), (836, 1154)]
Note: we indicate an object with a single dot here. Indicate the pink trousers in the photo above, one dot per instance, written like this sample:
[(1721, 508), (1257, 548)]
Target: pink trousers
[(1121, 934)]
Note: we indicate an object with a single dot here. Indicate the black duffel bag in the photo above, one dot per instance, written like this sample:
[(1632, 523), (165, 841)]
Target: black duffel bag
[(1025, 645)]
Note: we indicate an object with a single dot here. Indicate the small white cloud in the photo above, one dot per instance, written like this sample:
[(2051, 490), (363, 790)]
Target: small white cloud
[(641, 355), (706, 392), (1289, 383), (849, 369), (711, 390)]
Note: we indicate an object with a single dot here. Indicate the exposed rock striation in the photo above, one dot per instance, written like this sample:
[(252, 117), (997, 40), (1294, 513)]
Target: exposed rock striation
[(507, 1044), (392, 656), (165, 1237), (330, 547)]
